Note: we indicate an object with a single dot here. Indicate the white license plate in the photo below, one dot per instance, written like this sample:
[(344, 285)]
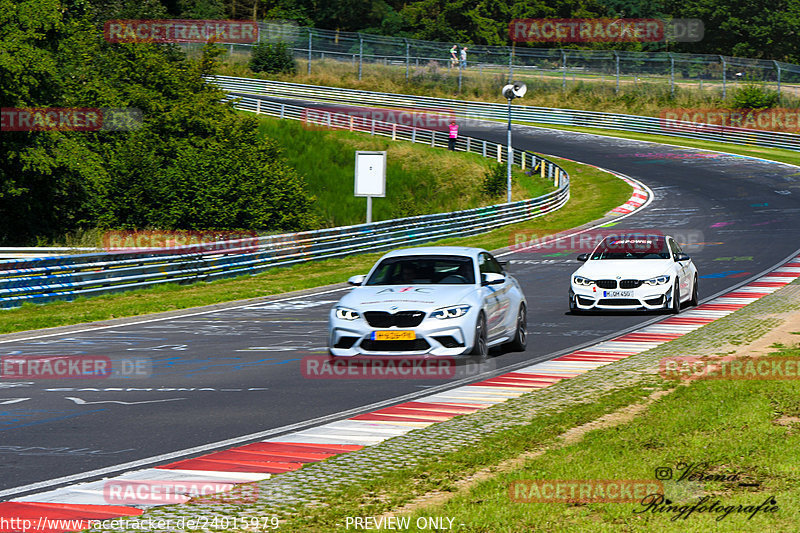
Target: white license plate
[(618, 294)]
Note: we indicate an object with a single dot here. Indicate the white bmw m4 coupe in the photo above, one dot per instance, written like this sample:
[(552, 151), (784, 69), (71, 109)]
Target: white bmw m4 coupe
[(632, 273)]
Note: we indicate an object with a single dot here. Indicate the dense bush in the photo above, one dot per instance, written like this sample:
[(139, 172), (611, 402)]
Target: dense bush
[(753, 96), (495, 181), (273, 58)]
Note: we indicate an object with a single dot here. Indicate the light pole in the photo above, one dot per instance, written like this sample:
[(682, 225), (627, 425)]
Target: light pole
[(511, 91)]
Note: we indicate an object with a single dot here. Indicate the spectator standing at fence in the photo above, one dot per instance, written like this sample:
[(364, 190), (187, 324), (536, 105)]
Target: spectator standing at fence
[(451, 141), (464, 57), (454, 55)]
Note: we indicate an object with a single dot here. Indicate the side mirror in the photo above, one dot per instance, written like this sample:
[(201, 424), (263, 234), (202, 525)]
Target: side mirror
[(583, 258), (492, 278), (681, 257), (357, 280)]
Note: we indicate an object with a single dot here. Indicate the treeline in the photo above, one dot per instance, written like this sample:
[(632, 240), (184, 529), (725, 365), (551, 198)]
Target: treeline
[(766, 29), (191, 162)]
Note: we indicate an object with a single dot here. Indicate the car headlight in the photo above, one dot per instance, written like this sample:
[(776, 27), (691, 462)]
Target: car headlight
[(660, 280), (454, 311), (346, 314), (580, 280)]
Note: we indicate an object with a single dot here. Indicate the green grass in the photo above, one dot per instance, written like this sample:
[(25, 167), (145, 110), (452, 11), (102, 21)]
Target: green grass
[(593, 193), (736, 426), (395, 488), (749, 428), (419, 180)]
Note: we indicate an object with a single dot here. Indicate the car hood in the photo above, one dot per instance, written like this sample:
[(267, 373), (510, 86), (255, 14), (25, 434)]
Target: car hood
[(625, 268), (406, 297)]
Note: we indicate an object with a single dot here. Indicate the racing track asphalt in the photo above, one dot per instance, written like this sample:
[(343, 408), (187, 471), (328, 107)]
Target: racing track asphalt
[(237, 371)]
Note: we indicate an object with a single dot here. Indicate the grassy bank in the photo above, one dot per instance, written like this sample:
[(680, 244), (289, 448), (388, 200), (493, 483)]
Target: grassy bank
[(596, 93), (419, 180), (743, 430), (593, 193)]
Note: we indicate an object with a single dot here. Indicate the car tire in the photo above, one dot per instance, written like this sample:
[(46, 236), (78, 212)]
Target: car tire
[(520, 340), (676, 300), (480, 349), (695, 300)]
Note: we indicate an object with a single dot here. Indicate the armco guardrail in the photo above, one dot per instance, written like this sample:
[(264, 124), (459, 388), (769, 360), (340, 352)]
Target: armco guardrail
[(520, 113), (66, 277)]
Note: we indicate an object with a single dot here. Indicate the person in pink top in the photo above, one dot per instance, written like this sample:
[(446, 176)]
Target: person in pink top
[(453, 135)]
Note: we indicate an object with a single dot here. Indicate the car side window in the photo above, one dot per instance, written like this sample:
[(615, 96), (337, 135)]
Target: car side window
[(674, 248), (487, 264)]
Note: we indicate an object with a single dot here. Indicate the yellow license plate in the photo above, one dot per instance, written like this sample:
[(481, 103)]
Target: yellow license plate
[(393, 335)]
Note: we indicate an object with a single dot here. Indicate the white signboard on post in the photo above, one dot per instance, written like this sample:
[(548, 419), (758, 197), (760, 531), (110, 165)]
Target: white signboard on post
[(370, 177), (370, 173)]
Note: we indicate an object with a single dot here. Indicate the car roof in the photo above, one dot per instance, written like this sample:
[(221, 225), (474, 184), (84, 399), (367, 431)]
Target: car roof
[(436, 250)]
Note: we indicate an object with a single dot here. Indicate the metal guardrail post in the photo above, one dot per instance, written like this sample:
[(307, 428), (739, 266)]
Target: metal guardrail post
[(408, 58), (671, 75), (778, 70), (309, 52), (724, 68), (563, 70), (511, 63), (360, 54), (616, 60)]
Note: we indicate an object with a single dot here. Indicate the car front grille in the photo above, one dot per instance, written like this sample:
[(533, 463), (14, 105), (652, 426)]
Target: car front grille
[(395, 346), (606, 283), (402, 319), (630, 283)]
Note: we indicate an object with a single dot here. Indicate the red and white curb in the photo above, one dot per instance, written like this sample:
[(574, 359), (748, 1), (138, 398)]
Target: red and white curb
[(260, 460), (638, 198)]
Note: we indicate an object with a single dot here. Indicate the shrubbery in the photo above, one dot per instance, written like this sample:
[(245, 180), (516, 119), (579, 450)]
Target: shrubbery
[(495, 181), (753, 96), (273, 58)]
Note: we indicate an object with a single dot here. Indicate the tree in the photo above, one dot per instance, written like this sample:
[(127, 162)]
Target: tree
[(193, 163)]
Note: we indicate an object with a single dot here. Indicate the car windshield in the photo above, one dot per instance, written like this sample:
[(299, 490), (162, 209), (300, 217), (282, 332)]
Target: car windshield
[(424, 270), (644, 247)]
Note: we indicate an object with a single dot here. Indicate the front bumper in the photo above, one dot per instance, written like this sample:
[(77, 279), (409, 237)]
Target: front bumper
[(448, 337), (644, 298)]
